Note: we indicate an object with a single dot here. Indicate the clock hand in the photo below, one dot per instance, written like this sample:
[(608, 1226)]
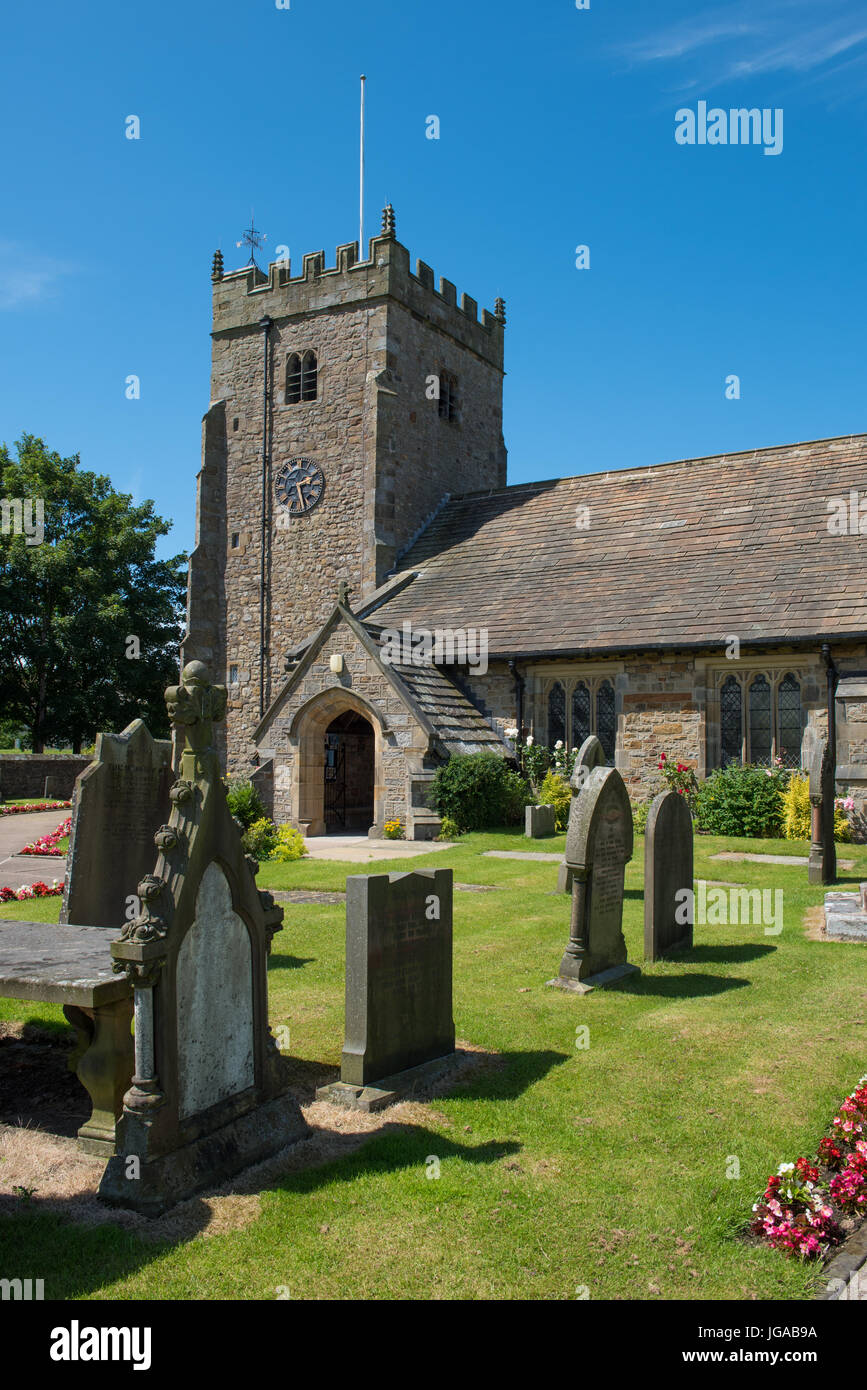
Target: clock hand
[(300, 493)]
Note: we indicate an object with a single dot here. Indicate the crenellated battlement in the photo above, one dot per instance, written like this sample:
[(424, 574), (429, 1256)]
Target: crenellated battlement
[(242, 297)]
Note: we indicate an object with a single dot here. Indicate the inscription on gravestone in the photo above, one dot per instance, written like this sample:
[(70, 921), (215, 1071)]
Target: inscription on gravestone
[(598, 848), (399, 1022), (119, 802), (668, 869)]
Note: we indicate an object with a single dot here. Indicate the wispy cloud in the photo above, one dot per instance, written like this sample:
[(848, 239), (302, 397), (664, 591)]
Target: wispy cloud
[(26, 277), (798, 37)]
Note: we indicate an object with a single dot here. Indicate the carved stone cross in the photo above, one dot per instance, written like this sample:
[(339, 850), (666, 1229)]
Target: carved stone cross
[(195, 705)]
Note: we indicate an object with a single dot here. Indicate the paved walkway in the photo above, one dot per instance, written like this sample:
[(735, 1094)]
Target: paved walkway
[(16, 869), (795, 861), (358, 849)]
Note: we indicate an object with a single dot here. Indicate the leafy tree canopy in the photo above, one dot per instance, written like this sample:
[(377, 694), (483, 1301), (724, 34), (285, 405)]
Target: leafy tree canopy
[(76, 607)]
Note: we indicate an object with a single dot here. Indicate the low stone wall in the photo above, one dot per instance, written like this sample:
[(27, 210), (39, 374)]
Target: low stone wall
[(24, 774)]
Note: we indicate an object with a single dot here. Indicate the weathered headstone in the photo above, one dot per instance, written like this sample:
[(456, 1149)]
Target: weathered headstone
[(668, 854), (399, 1024), (53, 790), (591, 754), (539, 821), (598, 848), (209, 1094), (821, 770), (119, 801)]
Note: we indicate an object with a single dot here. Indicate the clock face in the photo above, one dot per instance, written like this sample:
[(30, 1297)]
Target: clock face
[(299, 485)]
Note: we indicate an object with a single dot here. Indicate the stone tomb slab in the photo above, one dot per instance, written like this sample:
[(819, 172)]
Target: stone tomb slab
[(845, 919), (790, 861)]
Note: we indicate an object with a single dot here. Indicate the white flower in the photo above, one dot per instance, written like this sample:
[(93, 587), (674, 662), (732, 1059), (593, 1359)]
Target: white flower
[(559, 743), (511, 733), (785, 1168), (530, 742)]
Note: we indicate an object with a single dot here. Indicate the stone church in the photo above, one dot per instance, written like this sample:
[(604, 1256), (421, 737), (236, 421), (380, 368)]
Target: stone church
[(378, 597)]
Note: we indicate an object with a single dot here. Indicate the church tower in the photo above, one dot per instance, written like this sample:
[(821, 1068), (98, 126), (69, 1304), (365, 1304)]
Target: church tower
[(347, 404)]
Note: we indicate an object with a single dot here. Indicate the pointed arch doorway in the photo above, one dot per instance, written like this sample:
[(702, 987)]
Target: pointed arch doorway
[(349, 774)]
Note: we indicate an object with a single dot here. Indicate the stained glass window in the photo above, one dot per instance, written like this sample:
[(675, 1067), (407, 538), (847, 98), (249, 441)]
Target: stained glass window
[(606, 724), (556, 714), (760, 721), (789, 721), (580, 714), (731, 706)]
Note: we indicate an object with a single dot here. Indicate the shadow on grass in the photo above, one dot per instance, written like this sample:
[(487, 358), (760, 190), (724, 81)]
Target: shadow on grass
[(495, 1076), (733, 954), (289, 962), (676, 986)]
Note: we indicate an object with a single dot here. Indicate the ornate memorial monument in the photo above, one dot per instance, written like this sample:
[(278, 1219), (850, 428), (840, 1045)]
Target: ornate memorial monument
[(598, 848), (208, 1096)]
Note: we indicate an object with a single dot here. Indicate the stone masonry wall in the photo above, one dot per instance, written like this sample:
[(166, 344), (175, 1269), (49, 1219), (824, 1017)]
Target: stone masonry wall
[(24, 775)]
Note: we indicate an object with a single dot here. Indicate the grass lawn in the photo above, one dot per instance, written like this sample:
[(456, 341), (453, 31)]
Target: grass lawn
[(602, 1167)]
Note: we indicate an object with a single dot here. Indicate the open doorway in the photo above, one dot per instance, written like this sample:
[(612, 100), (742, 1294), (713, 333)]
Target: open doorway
[(349, 774)]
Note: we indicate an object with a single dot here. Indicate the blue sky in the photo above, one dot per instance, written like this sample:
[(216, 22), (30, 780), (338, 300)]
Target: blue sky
[(557, 129)]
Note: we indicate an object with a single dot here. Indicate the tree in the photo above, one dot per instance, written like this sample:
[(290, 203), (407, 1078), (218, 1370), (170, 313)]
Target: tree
[(90, 620)]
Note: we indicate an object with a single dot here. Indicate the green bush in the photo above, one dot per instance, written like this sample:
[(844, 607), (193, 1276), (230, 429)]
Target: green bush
[(244, 802), (798, 817), (743, 801), (449, 829), (260, 839), (290, 845), (556, 792), (640, 812), (478, 791)]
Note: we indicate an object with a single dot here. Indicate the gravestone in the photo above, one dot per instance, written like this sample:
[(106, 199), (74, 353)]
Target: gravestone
[(54, 788), (821, 772), (119, 801), (591, 754), (539, 821), (209, 1094), (668, 853), (598, 848), (399, 1025)]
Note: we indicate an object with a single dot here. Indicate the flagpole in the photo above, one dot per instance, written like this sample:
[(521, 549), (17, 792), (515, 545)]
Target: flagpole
[(361, 179)]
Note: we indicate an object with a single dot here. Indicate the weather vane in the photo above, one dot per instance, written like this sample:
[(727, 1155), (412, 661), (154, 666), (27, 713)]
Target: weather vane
[(254, 240)]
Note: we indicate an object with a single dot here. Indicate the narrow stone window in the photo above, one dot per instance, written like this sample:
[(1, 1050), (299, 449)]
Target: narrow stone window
[(731, 714), (236, 422), (606, 722), (556, 715), (760, 721), (236, 539), (789, 721), (309, 374), (448, 401), (293, 379), (233, 675), (580, 714)]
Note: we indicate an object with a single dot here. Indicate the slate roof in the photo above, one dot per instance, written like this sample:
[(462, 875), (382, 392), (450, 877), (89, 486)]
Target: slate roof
[(459, 725), (676, 555)]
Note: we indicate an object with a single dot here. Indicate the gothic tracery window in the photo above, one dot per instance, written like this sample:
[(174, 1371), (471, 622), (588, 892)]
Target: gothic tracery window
[(580, 714), (301, 377), (760, 721), (606, 722), (731, 701), (789, 721), (556, 714)]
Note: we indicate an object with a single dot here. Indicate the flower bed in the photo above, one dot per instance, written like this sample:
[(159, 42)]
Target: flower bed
[(30, 890), (47, 844), (798, 1212), (34, 806)]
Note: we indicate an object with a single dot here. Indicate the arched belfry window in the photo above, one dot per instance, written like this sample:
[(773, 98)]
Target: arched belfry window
[(301, 377), (309, 373), (789, 721), (293, 379), (556, 714), (606, 720), (731, 713)]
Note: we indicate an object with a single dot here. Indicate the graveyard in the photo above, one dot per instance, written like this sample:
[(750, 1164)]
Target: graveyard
[(584, 1142)]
